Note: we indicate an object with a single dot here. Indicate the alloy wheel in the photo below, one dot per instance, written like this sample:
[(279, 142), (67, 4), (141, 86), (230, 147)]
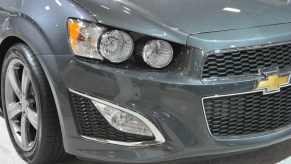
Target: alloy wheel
[(21, 105)]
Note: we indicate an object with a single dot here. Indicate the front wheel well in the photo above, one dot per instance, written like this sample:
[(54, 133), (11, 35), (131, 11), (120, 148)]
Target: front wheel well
[(6, 44), (4, 47)]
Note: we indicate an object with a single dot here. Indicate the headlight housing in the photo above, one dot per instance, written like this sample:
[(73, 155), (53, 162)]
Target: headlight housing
[(91, 40), (84, 38), (94, 41)]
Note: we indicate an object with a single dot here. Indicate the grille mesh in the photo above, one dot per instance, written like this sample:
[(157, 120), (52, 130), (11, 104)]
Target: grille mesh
[(91, 123), (248, 114), (246, 61)]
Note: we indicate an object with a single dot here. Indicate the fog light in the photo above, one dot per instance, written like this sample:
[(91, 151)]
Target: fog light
[(116, 46), (123, 121), (158, 53)]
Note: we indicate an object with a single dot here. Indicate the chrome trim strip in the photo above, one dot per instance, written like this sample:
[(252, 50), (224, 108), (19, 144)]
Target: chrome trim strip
[(129, 144), (239, 137), (159, 138)]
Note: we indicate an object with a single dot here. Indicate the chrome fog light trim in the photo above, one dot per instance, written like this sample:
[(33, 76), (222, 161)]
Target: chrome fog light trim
[(159, 138), (129, 144)]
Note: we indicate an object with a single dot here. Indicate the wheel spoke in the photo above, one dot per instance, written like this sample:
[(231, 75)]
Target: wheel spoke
[(15, 127), (13, 110), (24, 131), (25, 82), (32, 117), (14, 81)]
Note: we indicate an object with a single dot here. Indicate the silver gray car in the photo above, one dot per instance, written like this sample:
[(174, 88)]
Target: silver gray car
[(143, 81)]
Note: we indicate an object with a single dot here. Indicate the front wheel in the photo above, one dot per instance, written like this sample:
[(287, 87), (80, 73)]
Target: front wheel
[(29, 108)]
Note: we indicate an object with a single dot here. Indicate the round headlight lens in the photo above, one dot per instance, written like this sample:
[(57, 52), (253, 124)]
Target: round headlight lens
[(158, 53), (116, 46)]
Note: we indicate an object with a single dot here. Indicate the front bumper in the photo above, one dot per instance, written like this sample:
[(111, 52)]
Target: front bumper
[(170, 100)]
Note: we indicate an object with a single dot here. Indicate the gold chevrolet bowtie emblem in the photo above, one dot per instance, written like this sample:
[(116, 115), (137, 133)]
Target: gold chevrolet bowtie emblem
[(273, 83)]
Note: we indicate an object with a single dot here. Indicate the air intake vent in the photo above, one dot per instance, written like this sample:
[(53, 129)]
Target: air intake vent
[(246, 61), (92, 124), (248, 114)]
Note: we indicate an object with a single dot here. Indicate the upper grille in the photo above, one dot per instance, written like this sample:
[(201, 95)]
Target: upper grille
[(246, 61), (248, 114), (91, 123)]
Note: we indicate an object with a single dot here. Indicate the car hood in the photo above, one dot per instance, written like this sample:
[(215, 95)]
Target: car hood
[(188, 16)]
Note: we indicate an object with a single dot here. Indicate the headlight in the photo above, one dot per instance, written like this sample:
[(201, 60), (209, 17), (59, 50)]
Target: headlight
[(91, 40), (94, 41)]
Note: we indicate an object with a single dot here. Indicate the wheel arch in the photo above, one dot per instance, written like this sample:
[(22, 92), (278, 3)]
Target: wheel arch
[(6, 44), (4, 47), (20, 28)]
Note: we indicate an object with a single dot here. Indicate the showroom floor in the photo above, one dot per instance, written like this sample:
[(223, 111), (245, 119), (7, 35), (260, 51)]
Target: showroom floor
[(275, 154)]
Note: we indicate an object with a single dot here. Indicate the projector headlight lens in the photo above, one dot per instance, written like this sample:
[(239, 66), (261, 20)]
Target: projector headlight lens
[(158, 53), (116, 46), (123, 121)]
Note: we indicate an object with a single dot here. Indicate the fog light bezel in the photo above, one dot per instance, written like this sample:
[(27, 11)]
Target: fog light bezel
[(159, 138)]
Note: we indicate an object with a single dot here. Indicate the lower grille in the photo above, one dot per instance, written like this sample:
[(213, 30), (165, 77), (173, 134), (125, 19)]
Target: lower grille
[(91, 123), (248, 114)]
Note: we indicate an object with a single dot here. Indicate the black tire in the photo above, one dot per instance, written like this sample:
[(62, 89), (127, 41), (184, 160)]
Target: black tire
[(48, 147)]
